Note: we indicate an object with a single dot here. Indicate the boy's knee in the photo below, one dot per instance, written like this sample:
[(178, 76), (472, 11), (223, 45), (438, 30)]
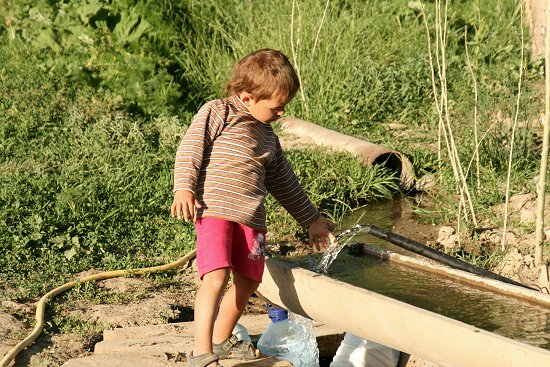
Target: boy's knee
[(216, 279), (246, 284)]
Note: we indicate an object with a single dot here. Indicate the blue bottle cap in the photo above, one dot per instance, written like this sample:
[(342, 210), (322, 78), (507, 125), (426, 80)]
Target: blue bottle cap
[(277, 314)]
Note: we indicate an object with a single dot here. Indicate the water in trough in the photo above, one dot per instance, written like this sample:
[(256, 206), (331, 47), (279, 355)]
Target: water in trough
[(504, 315)]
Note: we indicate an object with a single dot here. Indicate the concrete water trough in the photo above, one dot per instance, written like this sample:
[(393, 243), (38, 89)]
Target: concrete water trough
[(399, 325)]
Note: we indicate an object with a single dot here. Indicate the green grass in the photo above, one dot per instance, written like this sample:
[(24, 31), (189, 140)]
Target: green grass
[(87, 184), (94, 96), (84, 183)]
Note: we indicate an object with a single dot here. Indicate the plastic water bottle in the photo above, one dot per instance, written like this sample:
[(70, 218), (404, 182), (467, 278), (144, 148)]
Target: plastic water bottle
[(358, 352), (241, 333), (290, 339)]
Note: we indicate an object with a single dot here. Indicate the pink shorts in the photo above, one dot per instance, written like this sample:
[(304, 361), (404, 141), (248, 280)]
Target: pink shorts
[(225, 244)]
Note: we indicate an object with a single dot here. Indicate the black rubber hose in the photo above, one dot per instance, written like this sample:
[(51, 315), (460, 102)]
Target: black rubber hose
[(436, 255)]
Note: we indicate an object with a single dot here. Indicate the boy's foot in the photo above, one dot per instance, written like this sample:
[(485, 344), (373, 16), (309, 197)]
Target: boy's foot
[(203, 360), (233, 348)]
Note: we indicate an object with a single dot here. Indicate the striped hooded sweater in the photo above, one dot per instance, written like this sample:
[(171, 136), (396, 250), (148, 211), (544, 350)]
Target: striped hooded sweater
[(230, 161)]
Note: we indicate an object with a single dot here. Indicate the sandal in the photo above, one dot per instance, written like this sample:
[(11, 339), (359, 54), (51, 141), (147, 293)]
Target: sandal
[(233, 348), (203, 360)]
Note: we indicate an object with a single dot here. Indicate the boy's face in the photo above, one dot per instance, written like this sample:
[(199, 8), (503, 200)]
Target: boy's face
[(264, 110)]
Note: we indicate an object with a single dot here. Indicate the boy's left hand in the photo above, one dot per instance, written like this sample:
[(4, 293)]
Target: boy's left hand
[(319, 233)]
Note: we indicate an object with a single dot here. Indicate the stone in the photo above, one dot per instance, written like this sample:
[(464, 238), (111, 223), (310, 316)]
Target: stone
[(168, 345), (447, 238)]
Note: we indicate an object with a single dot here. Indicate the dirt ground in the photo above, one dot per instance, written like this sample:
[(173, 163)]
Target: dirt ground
[(133, 302)]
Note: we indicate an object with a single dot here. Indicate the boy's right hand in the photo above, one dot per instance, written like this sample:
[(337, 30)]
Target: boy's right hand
[(185, 205), (320, 233)]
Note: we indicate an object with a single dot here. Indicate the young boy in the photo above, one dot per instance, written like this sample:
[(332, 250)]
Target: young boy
[(227, 162)]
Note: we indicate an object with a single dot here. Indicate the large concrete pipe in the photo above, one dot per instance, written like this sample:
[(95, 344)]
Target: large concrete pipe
[(367, 152)]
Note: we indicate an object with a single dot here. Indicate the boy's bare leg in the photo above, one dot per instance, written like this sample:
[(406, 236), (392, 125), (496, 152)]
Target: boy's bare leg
[(232, 306), (206, 308)]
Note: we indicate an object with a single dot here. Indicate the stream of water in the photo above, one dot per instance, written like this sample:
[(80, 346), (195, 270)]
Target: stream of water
[(330, 255)]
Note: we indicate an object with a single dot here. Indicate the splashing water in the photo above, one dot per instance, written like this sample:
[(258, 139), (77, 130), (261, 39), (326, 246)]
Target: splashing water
[(335, 247)]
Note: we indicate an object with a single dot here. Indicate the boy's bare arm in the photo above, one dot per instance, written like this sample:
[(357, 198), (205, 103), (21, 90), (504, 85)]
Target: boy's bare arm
[(185, 205), (320, 233)]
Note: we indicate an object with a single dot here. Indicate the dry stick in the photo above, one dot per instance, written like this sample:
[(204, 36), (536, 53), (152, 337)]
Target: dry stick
[(438, 104), (474, 81), (434, 88), (445, 25), (441, 42), (440, 52), (11, 28), (541, 184), (514, 127), (295, 56), (453, 153), (440, 108), (443, 96), (460, 206), (319, 30)]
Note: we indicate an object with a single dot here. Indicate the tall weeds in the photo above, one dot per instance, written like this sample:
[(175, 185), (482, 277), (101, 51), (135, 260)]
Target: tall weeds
[(441, 100), (499, 138)]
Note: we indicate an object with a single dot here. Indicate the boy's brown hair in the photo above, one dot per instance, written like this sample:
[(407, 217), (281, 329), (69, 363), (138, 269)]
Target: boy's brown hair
[(265, 74)]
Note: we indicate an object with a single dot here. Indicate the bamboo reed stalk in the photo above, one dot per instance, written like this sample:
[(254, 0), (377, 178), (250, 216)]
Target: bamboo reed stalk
[(294, 48), (541, 184), (319, 30), (452, 149), (474, 83), (513, 135)]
